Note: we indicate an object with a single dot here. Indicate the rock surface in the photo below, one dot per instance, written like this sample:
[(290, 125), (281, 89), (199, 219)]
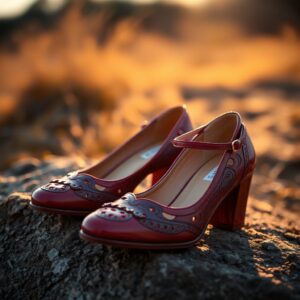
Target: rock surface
[(42, 256)]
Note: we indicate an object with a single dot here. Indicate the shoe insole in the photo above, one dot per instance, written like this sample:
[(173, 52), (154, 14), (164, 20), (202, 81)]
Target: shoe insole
[(198, 184), (187, 183), (133, 163)]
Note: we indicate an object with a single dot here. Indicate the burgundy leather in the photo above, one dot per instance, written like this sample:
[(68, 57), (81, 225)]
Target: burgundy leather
[(133, 221), (76, 193)]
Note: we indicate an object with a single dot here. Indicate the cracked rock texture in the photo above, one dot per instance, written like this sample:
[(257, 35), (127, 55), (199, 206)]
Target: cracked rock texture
[(42, 256)]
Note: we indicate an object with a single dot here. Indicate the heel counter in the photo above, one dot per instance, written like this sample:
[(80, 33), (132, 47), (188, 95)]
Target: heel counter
[(170, 153), (249, 155)]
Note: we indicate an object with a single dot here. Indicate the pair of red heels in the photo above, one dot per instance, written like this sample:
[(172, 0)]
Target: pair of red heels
[(200, 176)]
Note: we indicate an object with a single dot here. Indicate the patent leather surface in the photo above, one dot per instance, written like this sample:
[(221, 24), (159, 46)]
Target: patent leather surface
[(81, 192), (140, 222)]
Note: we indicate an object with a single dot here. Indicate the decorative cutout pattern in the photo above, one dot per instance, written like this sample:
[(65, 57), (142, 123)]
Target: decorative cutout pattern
[(166, 227), (148, 214), (227, 177), (129, 204), (113, 214), (82, 184)]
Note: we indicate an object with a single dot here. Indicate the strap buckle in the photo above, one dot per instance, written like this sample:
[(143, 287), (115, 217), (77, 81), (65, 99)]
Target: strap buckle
[(236, 145)]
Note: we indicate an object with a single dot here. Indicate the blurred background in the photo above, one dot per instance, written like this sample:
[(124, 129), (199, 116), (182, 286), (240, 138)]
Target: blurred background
[(78, 77)]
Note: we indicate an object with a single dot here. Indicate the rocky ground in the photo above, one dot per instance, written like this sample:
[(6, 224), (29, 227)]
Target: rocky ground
[(42, 256)]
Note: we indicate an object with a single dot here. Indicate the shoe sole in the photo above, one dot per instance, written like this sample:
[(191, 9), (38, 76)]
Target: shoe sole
[(56, 211), (136, 245)]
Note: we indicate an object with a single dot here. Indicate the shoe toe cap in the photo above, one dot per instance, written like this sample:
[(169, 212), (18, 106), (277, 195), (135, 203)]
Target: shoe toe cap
[(66, 200), (40, 197), (110, 223)]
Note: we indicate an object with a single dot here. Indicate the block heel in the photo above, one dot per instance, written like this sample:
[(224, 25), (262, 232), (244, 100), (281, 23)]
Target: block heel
[(231, 212)]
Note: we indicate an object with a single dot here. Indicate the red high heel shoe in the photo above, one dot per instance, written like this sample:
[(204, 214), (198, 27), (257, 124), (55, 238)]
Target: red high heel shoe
[(149, 151), (208, 183)]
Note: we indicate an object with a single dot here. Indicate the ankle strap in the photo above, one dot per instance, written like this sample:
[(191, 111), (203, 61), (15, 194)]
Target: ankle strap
[(187, 141)]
